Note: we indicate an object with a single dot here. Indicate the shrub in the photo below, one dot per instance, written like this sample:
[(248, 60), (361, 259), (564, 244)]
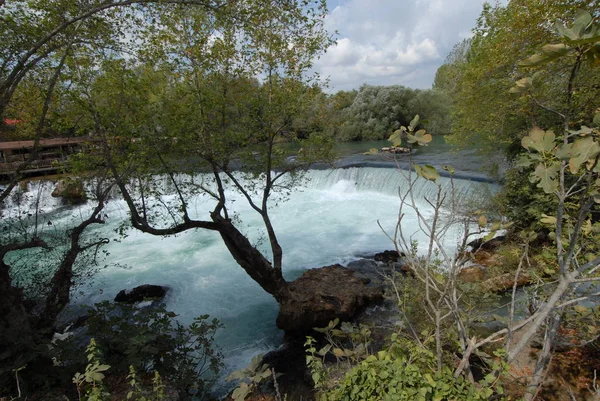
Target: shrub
[(398, 375), (151, 340)]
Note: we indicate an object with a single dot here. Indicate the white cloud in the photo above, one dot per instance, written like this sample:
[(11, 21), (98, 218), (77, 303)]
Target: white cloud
[(391, 42)]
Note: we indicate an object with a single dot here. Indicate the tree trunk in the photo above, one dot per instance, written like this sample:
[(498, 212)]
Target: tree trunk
[(251, 260), (16, 335)]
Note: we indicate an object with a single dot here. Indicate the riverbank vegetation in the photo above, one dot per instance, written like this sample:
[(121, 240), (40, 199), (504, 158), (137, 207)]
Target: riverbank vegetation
[(176, 87)]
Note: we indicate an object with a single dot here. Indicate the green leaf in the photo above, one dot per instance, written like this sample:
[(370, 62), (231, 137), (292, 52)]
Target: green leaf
[(427, 171), (584, 150), (255, 362), (372, 151), (323, 351), (555, 51), (522, 85), (429, 379), (96, 376), (583, 19), (548, 220), (396, 138), (566, 32), (526, 82), (414, 122), (423, 137), (102, 368), (523, 161), (338, 352), (240, 393), (534, 61), (539, 140), (564, 151), (237, 375), (597, 119), (547, 177)]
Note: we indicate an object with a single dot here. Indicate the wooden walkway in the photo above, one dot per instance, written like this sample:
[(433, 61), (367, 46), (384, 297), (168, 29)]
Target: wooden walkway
[(52, 155)]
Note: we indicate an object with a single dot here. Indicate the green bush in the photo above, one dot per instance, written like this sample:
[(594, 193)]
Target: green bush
[(151, 340), (405, 375)]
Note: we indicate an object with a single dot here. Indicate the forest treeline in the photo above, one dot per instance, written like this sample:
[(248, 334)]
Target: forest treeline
[(368, 113), (374, 112)]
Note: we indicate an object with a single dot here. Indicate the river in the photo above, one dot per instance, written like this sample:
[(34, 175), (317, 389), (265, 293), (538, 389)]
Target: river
[(331, 218)]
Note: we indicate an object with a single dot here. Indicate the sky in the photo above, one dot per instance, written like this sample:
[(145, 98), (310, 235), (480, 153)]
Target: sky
[(393, 42)]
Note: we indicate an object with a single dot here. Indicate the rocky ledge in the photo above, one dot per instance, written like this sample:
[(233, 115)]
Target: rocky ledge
[(321, 295)]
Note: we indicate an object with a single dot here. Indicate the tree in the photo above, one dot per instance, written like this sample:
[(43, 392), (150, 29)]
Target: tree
[(221, 100), (375, 111), (565, 166), (484, 113)]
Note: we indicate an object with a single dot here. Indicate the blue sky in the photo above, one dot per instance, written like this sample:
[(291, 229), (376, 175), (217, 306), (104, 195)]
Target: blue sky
[(393, 42)]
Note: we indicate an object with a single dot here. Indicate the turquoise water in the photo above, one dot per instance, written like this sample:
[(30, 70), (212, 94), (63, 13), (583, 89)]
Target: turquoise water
[(331, 218)]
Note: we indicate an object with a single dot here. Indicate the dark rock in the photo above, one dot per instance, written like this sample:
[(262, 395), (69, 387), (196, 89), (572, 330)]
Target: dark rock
[(290, 360), (321, 295), (490, 245), (141, 293), (367, 269), (70, 190), (387, 256), (80, 322)]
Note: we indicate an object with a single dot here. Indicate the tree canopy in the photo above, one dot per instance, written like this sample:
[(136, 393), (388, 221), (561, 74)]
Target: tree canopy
[(479, 74)]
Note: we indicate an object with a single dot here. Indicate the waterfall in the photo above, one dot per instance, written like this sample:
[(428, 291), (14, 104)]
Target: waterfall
[(387, 181)]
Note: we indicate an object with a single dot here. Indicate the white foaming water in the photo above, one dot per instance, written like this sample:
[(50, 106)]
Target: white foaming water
[(330, 219)]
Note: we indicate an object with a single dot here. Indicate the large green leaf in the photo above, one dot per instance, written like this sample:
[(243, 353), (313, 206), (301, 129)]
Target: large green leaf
[(549, 53), (522, 85), (240, 393), (427, 171), (421, 137), (523, 161), (583, 19), (534, 61), (584, 150), (396, 138), (547, 177), (566, 32), (553, 52), (565, 151), (539, 140), (414, 122)]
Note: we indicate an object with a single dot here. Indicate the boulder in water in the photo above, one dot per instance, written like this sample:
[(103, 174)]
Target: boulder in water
[(71, 190), (490, 245), (142, 293), (387, 256), (321, 295)]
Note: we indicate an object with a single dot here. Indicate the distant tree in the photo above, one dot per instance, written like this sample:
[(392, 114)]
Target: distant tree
[(484, 112), (376, 111)]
